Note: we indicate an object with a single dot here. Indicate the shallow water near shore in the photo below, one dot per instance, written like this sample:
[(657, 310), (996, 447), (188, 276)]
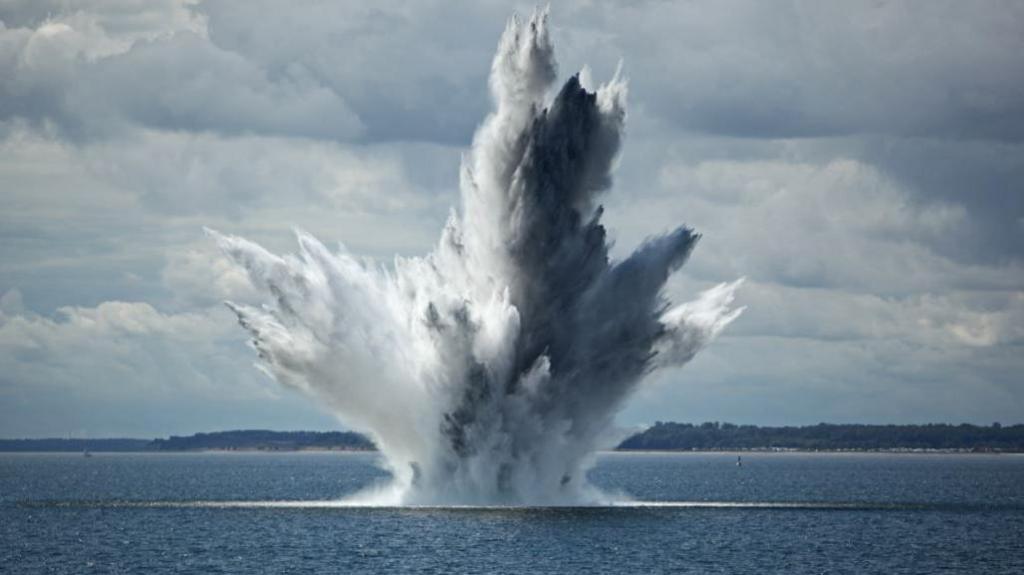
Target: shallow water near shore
[(680, 513)]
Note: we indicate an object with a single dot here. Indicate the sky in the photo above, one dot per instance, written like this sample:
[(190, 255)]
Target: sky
[(860, 163)]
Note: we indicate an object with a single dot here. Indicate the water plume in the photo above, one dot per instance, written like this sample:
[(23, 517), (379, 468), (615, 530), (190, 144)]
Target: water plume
[(490, 370)]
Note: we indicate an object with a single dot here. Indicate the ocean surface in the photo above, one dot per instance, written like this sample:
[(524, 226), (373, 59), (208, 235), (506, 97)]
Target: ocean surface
[(696, 513)]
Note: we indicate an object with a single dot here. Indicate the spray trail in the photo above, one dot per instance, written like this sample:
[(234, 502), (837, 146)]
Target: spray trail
[(488, 370)]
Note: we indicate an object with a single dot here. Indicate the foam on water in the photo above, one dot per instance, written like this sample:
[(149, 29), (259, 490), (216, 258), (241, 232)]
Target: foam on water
[(358, 505)]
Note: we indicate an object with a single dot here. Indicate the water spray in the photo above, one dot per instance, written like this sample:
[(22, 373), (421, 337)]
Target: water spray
[(490, 370)]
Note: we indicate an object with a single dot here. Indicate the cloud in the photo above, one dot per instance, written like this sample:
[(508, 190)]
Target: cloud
[(11, 302), (125, 20), (410, 70), (209, 174), (79, 370), (391, 71), (126, 336), (982, 177), (839, 224), (952, 320), (803, 381), (89, 84), (798, 69), (89, 222)]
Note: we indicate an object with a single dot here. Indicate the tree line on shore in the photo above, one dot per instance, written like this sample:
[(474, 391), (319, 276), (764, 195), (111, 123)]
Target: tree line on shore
[(238, 440), (827, 436), (662, 436)]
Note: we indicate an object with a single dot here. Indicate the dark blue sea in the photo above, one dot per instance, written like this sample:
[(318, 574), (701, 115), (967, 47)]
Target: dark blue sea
[(778, 513)]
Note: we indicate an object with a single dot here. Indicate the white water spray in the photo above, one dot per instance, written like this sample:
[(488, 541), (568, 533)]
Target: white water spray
[(488, 371)]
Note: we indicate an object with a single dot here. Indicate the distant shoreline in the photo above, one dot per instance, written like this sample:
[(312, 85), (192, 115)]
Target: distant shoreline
[(662, 437)]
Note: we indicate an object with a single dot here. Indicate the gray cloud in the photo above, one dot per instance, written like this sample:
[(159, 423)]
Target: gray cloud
[(797, 69), (88, 83), (410, 70), (838, 224), (83, 223), (126, 368), (803, 381), (985, 178)]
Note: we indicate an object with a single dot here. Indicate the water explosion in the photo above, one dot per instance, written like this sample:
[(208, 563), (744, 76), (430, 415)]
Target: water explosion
[(489, 370)]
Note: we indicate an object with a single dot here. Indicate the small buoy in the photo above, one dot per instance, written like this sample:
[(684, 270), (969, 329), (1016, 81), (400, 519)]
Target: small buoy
[(739, 461)]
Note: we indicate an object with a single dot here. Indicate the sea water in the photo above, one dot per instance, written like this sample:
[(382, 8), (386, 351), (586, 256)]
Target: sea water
[(690, 513)]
